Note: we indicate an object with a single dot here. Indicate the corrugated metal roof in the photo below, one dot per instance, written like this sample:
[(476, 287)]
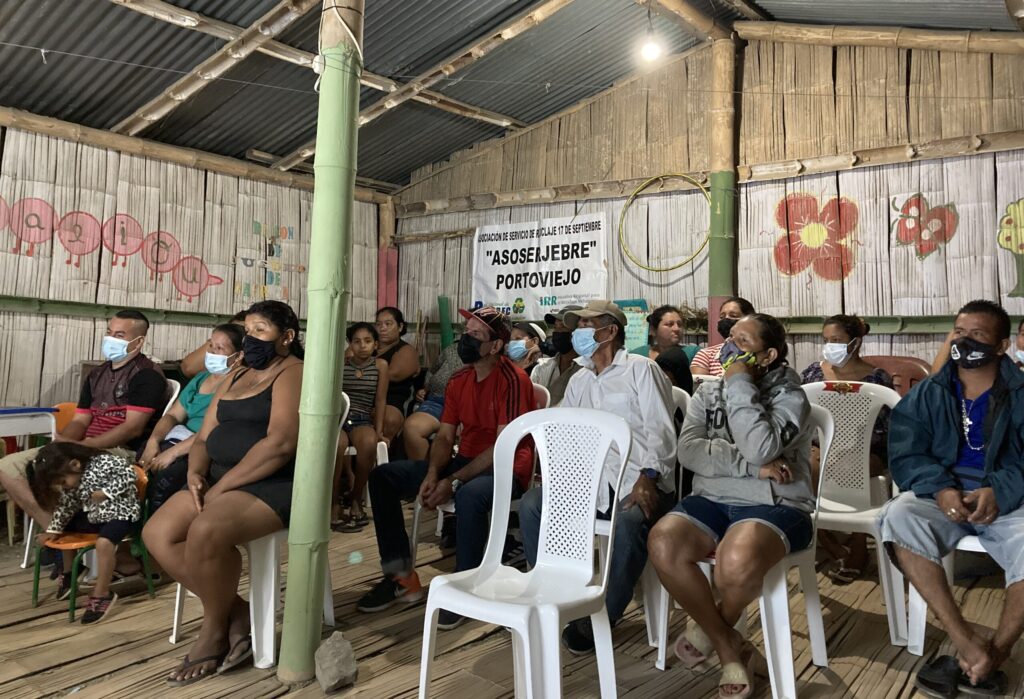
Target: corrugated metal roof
[(938, 14), (103, 82), (240, 12), (414, 135), (578, 52)]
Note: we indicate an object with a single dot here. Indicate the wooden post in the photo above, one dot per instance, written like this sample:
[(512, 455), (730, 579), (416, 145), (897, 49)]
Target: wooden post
[(722, 242), (694, 18)]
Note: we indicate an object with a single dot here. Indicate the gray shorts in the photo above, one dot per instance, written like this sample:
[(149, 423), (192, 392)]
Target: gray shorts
[(918, 525)]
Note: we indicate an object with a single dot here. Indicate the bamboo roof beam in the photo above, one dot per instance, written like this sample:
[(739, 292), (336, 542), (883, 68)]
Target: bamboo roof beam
[(264, 158), (275, 21), (133, 145), (1015, 8), (693, 19), (467, 56), (749, 10), (187, 19), (887, 37)]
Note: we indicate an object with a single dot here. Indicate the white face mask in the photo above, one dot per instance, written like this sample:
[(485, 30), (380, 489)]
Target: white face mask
[(1019, 356), (836, 353)]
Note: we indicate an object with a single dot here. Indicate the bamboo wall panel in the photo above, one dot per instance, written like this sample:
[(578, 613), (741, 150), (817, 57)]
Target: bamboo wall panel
[(1010, 219), (218, 246), (68, 342), (182, 219), (21, 336), (871, 104), (27, 176)]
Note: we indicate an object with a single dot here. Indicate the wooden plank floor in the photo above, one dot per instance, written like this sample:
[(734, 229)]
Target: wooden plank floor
[(129, 653)]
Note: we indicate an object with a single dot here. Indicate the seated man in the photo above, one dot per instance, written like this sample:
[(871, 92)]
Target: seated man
[(120, 402), (634, 388), (482, 398), (554, 374), (956, 445)]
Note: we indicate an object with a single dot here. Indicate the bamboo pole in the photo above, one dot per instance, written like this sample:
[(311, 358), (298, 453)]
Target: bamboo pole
[(694, 19), (722, 240), (748, 9), (133, 145), (329, 291), (887, 37), (188, 19), (757, 172), (465, 57), (276, 20)]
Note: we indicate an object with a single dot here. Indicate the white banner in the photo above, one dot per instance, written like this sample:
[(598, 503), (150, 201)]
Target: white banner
[(527, 269)]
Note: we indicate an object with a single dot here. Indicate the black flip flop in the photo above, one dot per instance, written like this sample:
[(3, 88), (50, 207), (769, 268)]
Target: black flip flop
[(229, 665), (939, 678), (187, 664), (994, 685)]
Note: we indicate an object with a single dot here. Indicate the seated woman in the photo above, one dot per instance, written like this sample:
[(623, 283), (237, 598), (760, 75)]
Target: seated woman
[(240, 472), (676, 366), (707, 360), (841, 361), (664, 331), (426, 416), (195, 361), (165, 455), (748, 443), (365, 381), (524, 348), (403, 366)]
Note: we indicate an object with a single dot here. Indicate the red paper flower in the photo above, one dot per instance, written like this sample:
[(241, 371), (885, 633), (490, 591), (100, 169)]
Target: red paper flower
[(923, 226), (815, 238)]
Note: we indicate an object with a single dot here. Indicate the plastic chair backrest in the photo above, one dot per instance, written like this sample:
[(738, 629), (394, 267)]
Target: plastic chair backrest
[(173, 389), (905, 371), (846, 469), (345, 403), (65, 413), (572, 444), (541, 397), (141, 481), (822, 421), (680, 399)]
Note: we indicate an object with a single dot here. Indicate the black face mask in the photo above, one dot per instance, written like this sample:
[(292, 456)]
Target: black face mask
[(469, 349), (725, 326), (258, 353), (968, 353), (547, 348), (562, 342)]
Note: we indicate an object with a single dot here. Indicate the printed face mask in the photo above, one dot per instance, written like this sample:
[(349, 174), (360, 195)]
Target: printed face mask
[(731, 353), (968, 353), (517, 350)]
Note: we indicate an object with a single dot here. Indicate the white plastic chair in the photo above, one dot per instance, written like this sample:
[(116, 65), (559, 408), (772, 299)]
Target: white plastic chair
[(264, 597), (173, 389), (850, 500), (535, 606), (382, 447), (918, 608)]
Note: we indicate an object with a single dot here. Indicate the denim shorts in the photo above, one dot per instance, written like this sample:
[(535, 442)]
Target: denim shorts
[(715, 518), (432, 406), (355, 420), (916, 524)]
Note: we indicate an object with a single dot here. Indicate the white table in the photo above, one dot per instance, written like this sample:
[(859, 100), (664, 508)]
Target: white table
[(21, 422)]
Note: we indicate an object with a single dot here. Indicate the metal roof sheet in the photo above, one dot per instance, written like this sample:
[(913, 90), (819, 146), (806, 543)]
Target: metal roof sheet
[(938, 14), (240, 12)]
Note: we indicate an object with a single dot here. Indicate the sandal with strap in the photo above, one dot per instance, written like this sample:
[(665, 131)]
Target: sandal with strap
[(693, 647), (843, 575), (739, 674), (238, 658), (187, 664)]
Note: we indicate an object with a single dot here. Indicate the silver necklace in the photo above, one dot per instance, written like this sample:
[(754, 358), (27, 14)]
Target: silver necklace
[(966, 421)]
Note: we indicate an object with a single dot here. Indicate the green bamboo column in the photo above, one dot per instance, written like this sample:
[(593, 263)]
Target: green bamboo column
[(330, 254), (722, 243)]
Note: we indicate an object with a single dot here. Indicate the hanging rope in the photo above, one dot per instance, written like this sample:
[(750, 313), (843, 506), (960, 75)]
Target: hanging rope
[(622, 222)]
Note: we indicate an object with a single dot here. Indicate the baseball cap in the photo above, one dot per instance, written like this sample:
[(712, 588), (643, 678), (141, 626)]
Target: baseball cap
[(533, 329), (493, 319), (559, 314), (595, 309)]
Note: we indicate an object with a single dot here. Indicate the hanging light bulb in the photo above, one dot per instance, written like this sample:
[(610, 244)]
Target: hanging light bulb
[(651, 50)]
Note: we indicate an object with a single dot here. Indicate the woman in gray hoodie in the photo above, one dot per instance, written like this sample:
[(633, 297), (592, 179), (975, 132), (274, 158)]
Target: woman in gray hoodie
[(747, 440)]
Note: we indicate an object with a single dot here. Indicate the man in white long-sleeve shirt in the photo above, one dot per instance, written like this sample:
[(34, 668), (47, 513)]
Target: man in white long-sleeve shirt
[(634, 388)]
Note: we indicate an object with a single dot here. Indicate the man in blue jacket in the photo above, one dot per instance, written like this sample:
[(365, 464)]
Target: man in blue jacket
[(956, 445)]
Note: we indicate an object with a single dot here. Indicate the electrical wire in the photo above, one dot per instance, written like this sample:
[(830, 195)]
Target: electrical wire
[(622, 222)]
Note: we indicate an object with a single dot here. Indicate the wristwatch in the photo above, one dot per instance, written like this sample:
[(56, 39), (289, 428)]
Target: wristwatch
[(456, 484), (651, 473)]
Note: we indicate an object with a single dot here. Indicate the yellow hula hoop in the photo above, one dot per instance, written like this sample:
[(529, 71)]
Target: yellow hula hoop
[(622, 222)]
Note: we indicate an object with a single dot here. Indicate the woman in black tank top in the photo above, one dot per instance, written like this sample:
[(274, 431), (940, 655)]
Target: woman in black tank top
[(241, 467), (403, 366)]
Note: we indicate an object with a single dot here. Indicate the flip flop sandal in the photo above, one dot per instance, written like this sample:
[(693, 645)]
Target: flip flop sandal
[(187, 664), (992, 686), (693, 646), (939, 678), (842, 575), (228, 665)]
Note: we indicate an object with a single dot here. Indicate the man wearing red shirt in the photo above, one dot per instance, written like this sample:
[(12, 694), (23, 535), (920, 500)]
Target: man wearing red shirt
[(482, 398)]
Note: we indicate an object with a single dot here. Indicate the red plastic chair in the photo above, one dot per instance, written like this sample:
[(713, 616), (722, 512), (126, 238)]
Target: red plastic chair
[(905, 371)]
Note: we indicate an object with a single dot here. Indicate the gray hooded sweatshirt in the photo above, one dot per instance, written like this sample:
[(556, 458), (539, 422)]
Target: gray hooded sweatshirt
[(735, 426)]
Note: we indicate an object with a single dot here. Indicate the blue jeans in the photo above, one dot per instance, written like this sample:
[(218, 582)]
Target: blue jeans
[(396, 481), (629, 550)]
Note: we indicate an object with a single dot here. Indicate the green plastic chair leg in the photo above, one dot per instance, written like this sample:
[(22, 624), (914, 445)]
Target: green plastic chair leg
[(75, 567), (35, 577), (146, 570)]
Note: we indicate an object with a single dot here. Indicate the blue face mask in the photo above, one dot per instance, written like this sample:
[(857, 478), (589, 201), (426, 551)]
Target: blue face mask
[(114, 349), (584, 343), (218, 364), (517, 350)]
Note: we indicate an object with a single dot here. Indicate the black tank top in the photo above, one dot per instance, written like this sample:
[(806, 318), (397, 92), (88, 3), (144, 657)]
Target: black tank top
[(241, 423), (399, 392)]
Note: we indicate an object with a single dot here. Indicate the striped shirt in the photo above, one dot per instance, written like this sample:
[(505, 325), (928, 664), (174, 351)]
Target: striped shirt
[(706, 361), (361, 386)]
